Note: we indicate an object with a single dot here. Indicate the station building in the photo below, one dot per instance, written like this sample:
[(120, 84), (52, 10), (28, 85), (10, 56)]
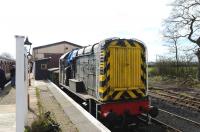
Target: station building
[(46, 57), (53, 51)]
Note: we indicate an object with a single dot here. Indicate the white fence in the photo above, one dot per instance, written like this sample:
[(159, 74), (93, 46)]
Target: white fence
[(21, 84)]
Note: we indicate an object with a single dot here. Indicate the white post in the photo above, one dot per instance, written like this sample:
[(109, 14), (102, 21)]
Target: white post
[(21, 83), (26, 85)]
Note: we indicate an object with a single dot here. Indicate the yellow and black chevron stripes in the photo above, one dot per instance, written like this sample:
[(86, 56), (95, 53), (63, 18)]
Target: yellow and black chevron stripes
[(104, 82), (143, 68), (120, 42), (103, 93), (129, 94), (107, 90), (104, 76), (104, 69), (143, 57)]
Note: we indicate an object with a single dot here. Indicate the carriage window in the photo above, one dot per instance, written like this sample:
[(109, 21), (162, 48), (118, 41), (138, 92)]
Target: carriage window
[(43, 66)]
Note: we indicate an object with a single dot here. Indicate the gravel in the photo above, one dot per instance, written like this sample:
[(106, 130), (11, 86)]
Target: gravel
[(143, 128), (181, 111)]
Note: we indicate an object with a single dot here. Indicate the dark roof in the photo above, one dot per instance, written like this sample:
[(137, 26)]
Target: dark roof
[(57, 43)]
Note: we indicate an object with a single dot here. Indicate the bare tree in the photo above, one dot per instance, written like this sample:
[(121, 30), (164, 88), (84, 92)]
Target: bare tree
[(6, 55), (171, 38), (185, 22)]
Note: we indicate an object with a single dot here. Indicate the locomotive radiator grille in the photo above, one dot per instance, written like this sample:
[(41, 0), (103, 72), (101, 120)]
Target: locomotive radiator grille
[(122, 71)]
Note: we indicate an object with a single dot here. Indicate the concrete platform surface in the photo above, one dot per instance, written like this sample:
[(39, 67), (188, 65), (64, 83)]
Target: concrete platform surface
[(7, 109), (83, 121), (7, 118)]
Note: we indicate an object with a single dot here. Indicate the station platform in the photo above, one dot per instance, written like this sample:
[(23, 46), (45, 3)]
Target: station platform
[(79, 117), (7, 109)]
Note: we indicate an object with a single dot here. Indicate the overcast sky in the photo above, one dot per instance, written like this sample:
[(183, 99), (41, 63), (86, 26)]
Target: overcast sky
[(83, 22)]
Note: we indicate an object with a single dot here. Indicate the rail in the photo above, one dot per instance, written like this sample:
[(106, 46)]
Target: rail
[(182, 100), (176, 121)]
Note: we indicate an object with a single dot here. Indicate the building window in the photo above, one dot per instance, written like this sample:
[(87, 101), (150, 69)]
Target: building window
[(43, 66)]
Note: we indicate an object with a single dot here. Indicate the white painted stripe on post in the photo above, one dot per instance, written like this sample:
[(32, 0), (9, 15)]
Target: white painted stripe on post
[(93, 120)]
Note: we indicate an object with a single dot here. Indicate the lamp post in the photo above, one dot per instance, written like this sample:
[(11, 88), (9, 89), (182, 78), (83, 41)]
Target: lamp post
[(29, 68), (29, 58)]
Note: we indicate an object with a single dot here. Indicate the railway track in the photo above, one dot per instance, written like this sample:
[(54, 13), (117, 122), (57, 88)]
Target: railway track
[(168, 127), (176, 98), (156, 125), (178, 94), (179, 123), (163, 125), (165, 122)]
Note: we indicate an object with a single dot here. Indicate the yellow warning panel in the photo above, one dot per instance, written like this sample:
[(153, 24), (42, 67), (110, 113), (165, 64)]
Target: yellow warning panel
[(124, 73), (125, 67)]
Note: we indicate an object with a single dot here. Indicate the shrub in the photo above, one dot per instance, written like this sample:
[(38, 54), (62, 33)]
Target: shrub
[(45, 124)]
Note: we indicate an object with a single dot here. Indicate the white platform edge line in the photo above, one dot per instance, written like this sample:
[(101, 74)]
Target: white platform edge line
[(93, 120)]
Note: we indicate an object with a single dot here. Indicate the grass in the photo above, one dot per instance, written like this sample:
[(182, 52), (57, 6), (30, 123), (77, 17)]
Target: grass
[(155, 78), (184, 94), (171, 71), (39, 104), (197, 86), (150, 69)]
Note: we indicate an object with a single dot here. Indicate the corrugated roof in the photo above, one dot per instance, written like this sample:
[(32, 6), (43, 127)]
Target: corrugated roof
[(57, 43)]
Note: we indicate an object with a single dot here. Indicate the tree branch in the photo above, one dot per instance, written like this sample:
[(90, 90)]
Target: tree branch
[(191, 31)]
